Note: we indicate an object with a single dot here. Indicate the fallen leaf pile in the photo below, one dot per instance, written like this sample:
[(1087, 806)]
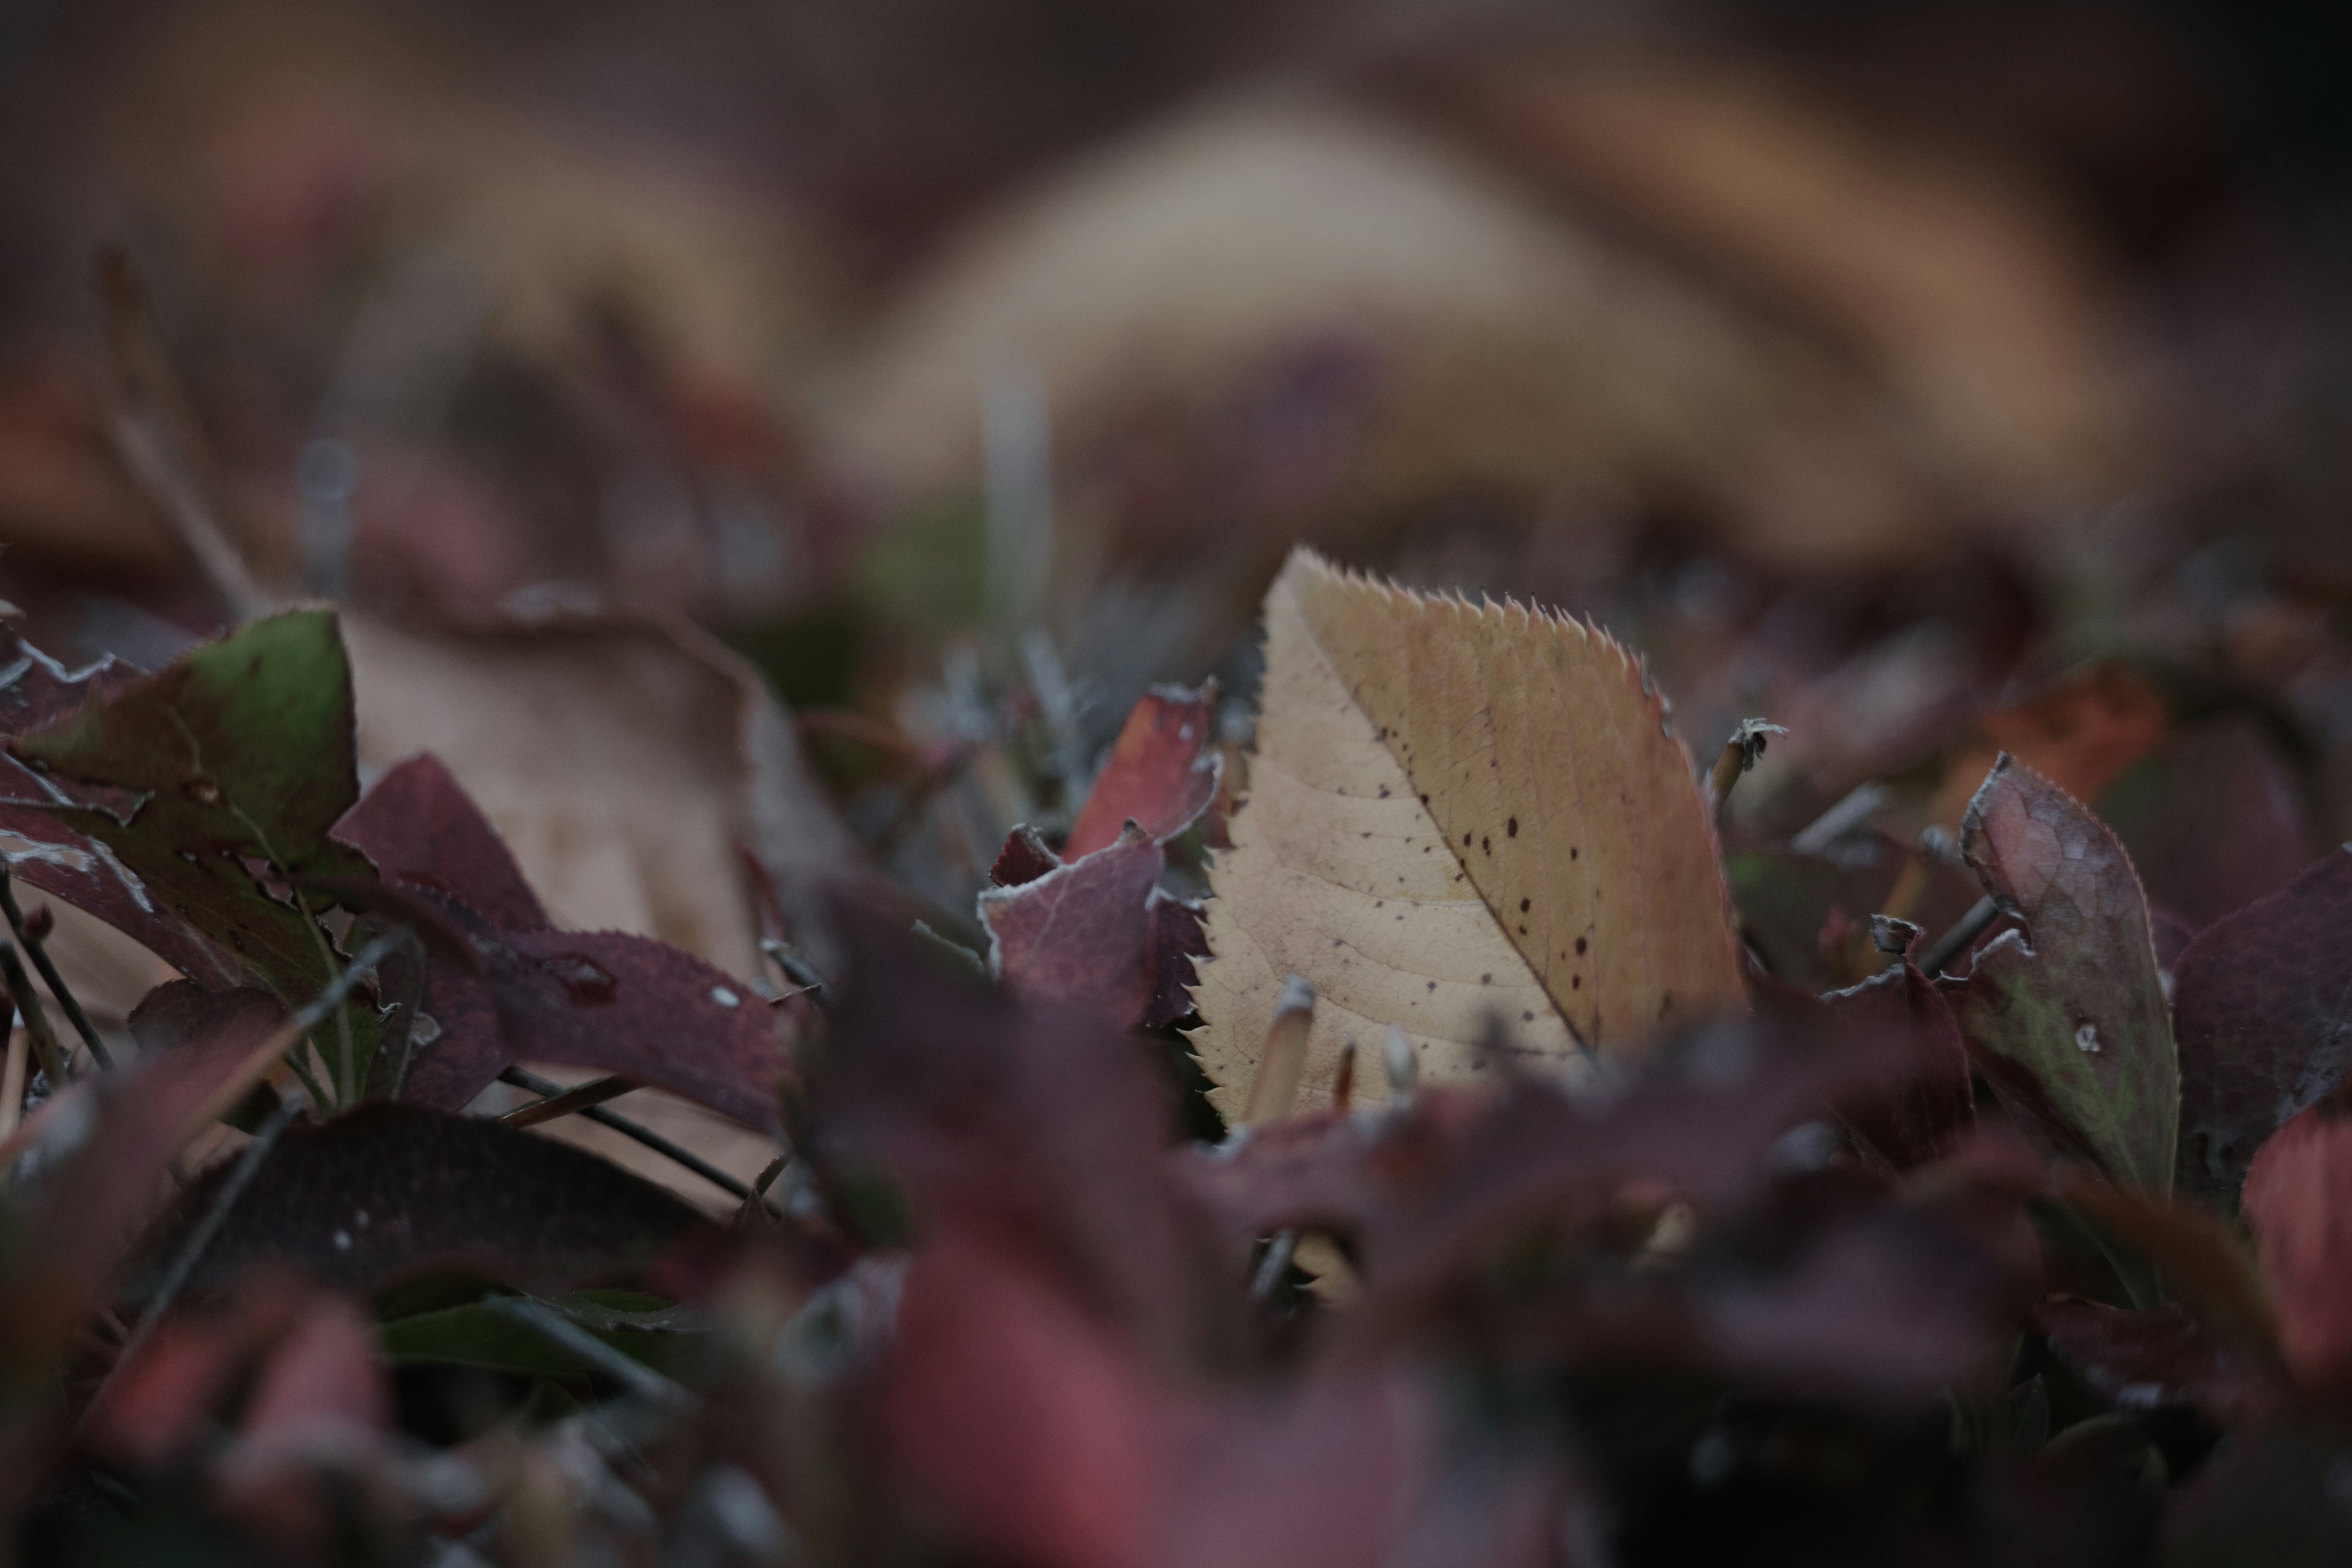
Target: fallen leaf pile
[(1458, 1126)]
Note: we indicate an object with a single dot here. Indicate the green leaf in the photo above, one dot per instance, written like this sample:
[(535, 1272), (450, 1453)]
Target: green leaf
[(476, 1334), (215, 782), (2067, 1020)]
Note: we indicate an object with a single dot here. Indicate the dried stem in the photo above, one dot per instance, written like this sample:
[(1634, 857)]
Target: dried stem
[(578, 1098), (200, 1240), (550, 1090), (155, 432), (12, 1075), (1283, 1060), (36, 1022), (34, 945), (1740, 754), (1955, 941), (559, 1330)]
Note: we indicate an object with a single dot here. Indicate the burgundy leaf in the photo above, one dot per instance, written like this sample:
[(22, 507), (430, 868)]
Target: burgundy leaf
[(1083, 932), (43, 851), (1934, 1108), (2214, 820), (620, 1004), (2072, 1030), (1162, 771), (1023, 859), (386, 1190), (1041, 1122), (419, 828), (2139, 1361), (2262, 1002), (115, 1137), (1178, 937)]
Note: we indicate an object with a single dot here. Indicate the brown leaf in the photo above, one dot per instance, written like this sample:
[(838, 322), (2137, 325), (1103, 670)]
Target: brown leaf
[(1163, 773), (2262, 1002), (2072, 1029), (1460, 818), (622, 762)]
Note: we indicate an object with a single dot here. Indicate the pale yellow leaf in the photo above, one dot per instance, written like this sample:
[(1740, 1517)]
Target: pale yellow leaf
[(1472, 822)]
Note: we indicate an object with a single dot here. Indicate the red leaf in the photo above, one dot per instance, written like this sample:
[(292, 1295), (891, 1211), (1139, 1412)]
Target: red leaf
[(117, 1136), (419, 828), (1083, 932), (2262, 1002), (1162, 771), (1020, 1415), (2298, 1202)]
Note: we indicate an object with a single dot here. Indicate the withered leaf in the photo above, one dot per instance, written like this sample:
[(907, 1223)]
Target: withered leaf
[(1462, 819), (2263, 1002), (2071, 1030), (385, 1190)]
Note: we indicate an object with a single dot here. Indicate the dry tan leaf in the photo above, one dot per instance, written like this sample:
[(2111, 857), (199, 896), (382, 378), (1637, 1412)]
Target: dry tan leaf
[(1471, 821), (622, 762)]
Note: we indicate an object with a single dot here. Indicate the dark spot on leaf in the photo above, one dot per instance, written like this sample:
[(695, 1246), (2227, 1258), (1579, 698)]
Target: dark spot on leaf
[(1576, 982), (1486, 846), (1512, 827), (1432, 985), (1384, 792), (1486, 980), (1466, 841), (1527, 1018), (1580, 944), (1523, 906)]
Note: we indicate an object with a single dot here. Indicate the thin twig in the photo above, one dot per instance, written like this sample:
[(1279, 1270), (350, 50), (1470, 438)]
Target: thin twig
[(36, 1020), (579, 1096), (34, 944), (12, 1073), (626, 1370), (549, 1089), (1955, 941), (795, 965), (192, 1251), (154, 431), (1275, 1265)]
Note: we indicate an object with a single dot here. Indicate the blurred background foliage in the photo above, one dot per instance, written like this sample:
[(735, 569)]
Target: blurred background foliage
[(882, 333)]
